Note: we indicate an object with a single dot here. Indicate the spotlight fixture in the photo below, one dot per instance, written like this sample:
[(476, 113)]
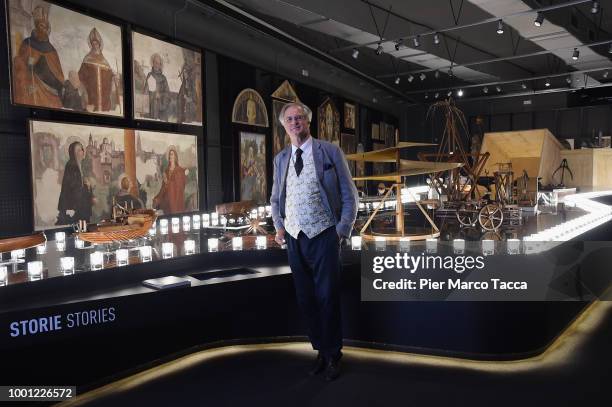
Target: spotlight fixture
[(374, 100), (355, 53), (417, 41), (576, 54), (485, 90), (523, 85), (460, 92), (437, 74), (450, 72), (547, 83), (436, 95), (595, 7), (426, 96), (498, 89), (410, 78), (422, 76), (605, 75), (539, 19), (436, 38), (500, 27), (450, 92), (568, 80), (610, 49), (397, 80), (379, 49), (398, 45)]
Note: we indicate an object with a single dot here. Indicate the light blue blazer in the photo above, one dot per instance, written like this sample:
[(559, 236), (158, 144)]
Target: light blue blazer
[(338, 191)]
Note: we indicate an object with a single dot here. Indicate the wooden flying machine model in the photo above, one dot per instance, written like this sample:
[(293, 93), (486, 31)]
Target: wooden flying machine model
[(22, 242), (126, 224)]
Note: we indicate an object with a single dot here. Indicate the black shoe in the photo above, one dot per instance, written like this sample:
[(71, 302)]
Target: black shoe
[(332, 370), (318, 365)]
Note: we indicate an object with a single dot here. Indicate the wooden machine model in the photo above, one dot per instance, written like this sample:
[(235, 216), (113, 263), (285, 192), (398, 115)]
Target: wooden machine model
[(126, 224)]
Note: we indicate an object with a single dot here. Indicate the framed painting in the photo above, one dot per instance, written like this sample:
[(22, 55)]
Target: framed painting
[(64, 60), (249, 108), (375, 131), (360, 167), (329, 122), (349, 116), (167, 81), (286, 92), (348, 143), (253, 168)]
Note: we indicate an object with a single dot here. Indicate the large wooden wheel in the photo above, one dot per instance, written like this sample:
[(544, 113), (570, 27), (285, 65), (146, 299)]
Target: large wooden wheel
[(467, 214), (491, 217)]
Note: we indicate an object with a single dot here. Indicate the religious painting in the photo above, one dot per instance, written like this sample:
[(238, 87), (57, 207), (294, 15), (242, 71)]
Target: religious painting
[(76, 170), (329, 122), (61, 59), (349, 146), (349, 116), (286, 92), (375, 131), (280, 139), (249, 108), (167, 81), (253, 168), (167, 170)]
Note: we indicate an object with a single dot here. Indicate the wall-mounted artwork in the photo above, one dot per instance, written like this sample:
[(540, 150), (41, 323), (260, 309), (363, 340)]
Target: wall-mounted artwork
[(360, 167), (389, 134), (349, 116), (249, 108), (253, 167), (329, 122), (61, 59), (280, 139), (286, 92), (167, 81), (167, 169), (349, 146), (375, 131), (79, 171)]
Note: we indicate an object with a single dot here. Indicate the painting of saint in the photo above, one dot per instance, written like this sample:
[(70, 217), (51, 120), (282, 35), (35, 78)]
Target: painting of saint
[(329, 122), (167, 81), (253, 167), (167, 171), (74, 170), (280, 139), (57, 60), (349, 116), (285, 92), (249, 108)]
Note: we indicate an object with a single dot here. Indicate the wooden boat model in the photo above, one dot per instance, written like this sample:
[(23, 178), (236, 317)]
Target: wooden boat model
[(22, 242), (131, 225)]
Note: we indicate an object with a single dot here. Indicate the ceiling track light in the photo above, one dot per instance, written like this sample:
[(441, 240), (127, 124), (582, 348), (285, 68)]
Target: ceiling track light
[(417, 41), (610, 49), (498, 89), (410, 78), (547, 83), (436, 95), (568, 80), (379, 49), (355, 53), (575, 54), (398, 45), (426, 96), (539, 19), (523, 86), (422, 76), (605, 75), (500, 27), (437, 74), (397, 80), (485, 90), (449, 93), (595, 7), (460, 92), (436, 38)]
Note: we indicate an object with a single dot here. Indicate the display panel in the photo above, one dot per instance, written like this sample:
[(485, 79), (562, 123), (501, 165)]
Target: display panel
[(78, 171), (329, 122), (249, 108), (349, 116), (253, 167), (167, 81), (61, 59)]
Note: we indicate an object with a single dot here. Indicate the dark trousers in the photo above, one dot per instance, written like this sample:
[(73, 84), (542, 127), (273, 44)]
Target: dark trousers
[(315, 265)]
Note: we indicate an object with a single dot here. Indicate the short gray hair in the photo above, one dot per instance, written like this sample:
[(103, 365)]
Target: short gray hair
[(305, 109)]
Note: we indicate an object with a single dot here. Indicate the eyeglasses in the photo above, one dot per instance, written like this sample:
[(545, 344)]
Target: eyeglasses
[(291, 119)]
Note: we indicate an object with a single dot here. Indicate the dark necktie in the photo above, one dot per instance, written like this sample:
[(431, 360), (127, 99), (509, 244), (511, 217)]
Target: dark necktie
[(299, 164)]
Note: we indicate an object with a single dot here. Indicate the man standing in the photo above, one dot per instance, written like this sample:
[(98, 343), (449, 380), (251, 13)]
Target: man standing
[(314, 205)]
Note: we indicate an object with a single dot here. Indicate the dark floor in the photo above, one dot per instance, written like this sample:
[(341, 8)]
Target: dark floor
[(575, 371)]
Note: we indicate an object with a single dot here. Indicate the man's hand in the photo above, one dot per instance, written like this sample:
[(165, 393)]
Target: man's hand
[(280, 237)]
